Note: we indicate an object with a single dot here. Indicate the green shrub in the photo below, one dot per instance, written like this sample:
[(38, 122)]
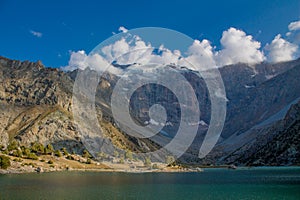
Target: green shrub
[(17, 153), (32, 156), (69, 157), (38, 148), (88, 161), (49, 149), (170, 160), (26, 151), (155, 166), (4, 162), (147, 162), (50, 162), (86, 154), (5, 152), (13, 145), (122, 161), (116, 154), (57, 153), (64, 150), (17, 160), (128, 155), (102, 156), (32, 164)]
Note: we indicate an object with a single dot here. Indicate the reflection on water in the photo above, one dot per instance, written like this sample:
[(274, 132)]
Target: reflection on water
[(259, 183)]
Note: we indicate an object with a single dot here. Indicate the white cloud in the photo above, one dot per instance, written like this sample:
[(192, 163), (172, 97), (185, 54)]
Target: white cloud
[(200, 53), (134, 50), (294, 32), (36, 34), (293, 26), (123, 29), (80, 60), (238, 47), (280, 50), (116, 49)]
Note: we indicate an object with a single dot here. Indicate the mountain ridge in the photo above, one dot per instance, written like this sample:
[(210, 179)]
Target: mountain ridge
[(36, 104)]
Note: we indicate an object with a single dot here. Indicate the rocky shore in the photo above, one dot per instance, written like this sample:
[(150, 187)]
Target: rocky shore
[(48, 163)]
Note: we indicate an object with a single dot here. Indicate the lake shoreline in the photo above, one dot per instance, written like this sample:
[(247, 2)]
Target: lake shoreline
[(50, 163), (139, 171)]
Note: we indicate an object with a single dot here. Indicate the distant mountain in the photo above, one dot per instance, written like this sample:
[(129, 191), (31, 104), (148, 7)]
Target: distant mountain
[(261, 127)]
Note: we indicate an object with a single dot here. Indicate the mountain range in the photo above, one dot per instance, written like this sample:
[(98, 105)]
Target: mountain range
[(261, 126)]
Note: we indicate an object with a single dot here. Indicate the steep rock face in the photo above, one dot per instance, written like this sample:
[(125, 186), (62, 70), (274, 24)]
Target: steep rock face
[(36, 106), (255, 93), (276, 143), (26, 83)]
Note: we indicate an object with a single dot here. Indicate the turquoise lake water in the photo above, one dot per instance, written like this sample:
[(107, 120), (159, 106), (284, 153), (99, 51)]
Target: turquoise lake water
[(255, 183)]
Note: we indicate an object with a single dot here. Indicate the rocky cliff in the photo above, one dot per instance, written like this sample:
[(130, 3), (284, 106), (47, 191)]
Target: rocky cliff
[(36, 106), (261, 127)]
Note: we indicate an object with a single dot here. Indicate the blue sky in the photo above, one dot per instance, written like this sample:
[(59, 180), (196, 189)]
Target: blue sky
[(49, 30)]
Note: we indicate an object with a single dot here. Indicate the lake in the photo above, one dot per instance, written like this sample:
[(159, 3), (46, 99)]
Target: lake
[(255, 183)]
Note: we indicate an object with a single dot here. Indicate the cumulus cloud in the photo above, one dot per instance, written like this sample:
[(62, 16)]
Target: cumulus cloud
[(36, 34), (280, 50), (129, 50), (134, 50), (200, 55), (286, 49), (238, 47), (294, 32), (293, 26), (80, 60), (123, 29)]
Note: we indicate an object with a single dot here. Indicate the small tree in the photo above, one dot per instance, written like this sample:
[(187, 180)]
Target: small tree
[(128, 155), (155, 166), (102, 155), (86, 154), (147, 162), (64, 150), (33, 156), (38, 148), (13, 145), (170, 160), (26, 151), (88, 161), (57, 153), (4, 162), (17, 153), (116, 154), (5, 152), (70, 157), (49, 149)]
